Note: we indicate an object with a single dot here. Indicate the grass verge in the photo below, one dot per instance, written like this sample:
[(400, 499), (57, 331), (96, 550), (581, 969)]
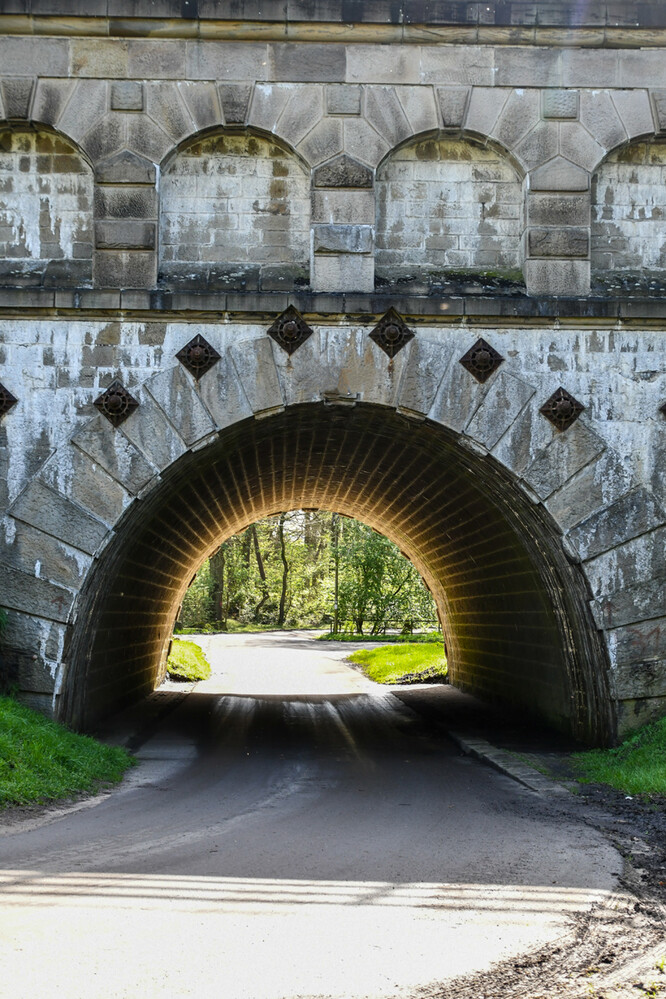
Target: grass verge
[(428, 637), (187, 662), (408, 663), (41, 760), (638, 766)]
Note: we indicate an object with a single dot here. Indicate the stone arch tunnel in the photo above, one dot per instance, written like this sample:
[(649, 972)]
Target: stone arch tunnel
[(476, 173), (516, 620)]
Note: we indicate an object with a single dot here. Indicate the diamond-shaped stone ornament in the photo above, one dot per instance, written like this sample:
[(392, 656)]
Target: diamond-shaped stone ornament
[(290, 330), (116, 403), (562, 409), (198, 356), (391, 333), (7, 400), (481, 360)]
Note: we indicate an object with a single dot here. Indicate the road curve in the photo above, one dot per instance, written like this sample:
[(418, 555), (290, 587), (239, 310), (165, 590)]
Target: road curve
[(292, 831)]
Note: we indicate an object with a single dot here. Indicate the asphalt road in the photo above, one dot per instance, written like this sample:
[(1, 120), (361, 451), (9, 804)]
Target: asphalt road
[(292, 831)]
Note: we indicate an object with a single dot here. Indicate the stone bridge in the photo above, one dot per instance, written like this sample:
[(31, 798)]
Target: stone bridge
[(406, 261)]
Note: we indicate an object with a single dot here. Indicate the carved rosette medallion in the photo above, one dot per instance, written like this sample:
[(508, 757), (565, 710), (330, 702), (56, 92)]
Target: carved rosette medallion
[(290, 330), (7, 400), (562, 409), (198, 356), (391, 333), (116, 403), (481, 360)]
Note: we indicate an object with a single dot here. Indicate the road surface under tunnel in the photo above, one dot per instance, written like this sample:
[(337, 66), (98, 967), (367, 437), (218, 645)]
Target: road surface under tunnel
[(292, 830)]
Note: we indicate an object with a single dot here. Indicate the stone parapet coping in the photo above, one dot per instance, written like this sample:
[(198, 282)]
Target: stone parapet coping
[(183, 305), (631, 31)]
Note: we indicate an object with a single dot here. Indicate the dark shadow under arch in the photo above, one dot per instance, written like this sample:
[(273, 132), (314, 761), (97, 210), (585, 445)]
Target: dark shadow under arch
[(515, 610)]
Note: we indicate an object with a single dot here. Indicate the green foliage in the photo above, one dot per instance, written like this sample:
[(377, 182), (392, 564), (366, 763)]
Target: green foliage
[(638, 766), (280, 572), (41, 760), (409, 663), (3, 621), (187, 662), (418, 638)]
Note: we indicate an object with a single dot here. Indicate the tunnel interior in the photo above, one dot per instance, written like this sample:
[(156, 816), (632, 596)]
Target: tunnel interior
[(514, 609)]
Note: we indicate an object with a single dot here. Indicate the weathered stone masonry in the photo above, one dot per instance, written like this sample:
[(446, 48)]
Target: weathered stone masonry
[(489, 171)]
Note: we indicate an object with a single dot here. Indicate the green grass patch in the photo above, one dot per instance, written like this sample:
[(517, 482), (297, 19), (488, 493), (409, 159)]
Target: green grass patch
[(638, 766), (41, 760), (187, 662), (420, 638), (408, 663), (236, 628)]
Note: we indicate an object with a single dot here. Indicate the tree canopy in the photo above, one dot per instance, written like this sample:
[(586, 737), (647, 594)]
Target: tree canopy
[(286, 570)]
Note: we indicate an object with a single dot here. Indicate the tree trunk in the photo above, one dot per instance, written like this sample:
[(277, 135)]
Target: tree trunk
[(285, 572), (262, 572), (217, 574)]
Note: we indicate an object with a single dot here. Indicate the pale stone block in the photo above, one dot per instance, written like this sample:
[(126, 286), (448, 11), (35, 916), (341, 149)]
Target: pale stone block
[(46, 57), (41, 555), (222, 394), (235, 100), (484, 108), (302, 62), (426, 365), (383, 64), (304, 110), (525, 439), (383, 111), (633, 107), (343, 98), (126, 201), (539, 145), (43, 508), (596, 485), (526, 66), (254, 363), (147, 138), (559, 175), (106, 137), (519, 116), (342, 239), (217, 60), (457, 65), (560, 278), (363, 143), (560, 103), (590, 67), (156, 59), (98, 57), (151, 432), (71, 473), (640, 67), (453, 105), (644, 640), (599, 116), (174, 392), (504, 400), (22, 592), (301, 376), (50, 99), (126, 95), (125, 168), (125, 234), (459, 394), (113, 452), (164, 106), (577, 145), (86, 108), (343, 272), (343, 207), (637, 561), (558, 241), (323, 142), (568, 452), (202, 103), (354, 367), (558, 210), (419, 106), (644, 602), (640, 679), (632, 514), (16, 96)]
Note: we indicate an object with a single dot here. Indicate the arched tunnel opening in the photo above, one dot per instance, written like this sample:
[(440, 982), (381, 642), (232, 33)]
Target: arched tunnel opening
[(514, 609)]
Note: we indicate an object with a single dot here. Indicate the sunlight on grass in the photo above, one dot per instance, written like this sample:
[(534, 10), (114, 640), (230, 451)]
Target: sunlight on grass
[(187, 662), (408, 663), (638, 766), (41, 760)]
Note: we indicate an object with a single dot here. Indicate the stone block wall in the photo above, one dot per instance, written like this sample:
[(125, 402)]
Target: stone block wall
[(46, 194)]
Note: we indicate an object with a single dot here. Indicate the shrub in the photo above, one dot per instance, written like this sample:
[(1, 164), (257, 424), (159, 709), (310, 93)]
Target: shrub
[(187, 662)]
